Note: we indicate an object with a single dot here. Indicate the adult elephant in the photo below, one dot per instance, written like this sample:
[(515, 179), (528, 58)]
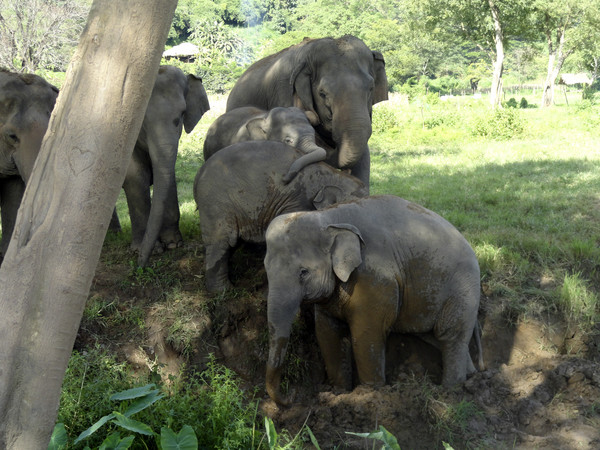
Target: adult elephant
[(339, 80), (26, 102), (177, 102)]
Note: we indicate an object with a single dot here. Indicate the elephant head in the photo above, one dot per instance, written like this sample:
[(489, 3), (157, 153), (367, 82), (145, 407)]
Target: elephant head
[(302, 266), (177, 102), (293, 127), (340, 80), (26, 103)]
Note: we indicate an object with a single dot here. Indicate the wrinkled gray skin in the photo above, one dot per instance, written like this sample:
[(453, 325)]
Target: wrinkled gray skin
[(291, 126), (378, 264), (26, 102), (339, 80), (239, 190), (177, 102)]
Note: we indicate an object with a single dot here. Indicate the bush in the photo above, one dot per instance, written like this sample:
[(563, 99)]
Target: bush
[(512, 103), (501, 124), (212, 403), (523, 104)]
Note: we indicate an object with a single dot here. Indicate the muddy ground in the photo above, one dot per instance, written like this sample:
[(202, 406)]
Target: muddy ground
[(540, 389)]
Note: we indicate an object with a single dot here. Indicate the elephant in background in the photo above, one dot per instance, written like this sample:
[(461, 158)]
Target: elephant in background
[(338, 80), (240, 189), (26, 103), (377, 264), (177, 102), (291, 126)]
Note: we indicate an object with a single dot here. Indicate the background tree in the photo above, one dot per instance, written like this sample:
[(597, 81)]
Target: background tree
[(489, 24), (567, 25), (48, 269), (39, 34)]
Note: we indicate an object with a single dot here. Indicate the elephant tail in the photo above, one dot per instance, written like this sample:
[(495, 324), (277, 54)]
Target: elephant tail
[(477, 335)]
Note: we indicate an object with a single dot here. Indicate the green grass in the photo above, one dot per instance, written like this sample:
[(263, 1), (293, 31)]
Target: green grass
[(528, 205)]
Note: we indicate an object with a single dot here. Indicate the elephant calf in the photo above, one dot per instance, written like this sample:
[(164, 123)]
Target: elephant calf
[(378, 264), (239, 190), (291, 126)]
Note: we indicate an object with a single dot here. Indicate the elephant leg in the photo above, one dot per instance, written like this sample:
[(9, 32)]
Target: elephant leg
[(11, 193), (137, 191), (362, 169), (170, 235), (373, 308), (216, 277), (454, 330), (335, 349)]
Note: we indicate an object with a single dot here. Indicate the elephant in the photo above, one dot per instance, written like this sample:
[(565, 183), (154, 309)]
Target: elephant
[(290, 125), (338, 80), (374, 265), (239, 190), (26, 103), (177, 101)]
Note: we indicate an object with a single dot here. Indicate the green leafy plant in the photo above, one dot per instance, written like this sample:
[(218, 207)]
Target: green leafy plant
[(389, 440)]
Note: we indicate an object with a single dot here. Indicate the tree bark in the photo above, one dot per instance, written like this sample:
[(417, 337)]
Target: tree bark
[(556, 58), (48, 269), (496, 91)]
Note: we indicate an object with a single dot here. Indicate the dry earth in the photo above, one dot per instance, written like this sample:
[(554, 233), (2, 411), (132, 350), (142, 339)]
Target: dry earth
[(540, 390)]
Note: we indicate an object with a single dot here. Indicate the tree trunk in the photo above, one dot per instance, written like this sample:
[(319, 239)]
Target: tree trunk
[(556, 59), (49, 266), (496, 91)]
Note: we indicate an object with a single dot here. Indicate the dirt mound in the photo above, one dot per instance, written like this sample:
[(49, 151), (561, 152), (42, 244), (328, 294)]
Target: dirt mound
[(540, 389)]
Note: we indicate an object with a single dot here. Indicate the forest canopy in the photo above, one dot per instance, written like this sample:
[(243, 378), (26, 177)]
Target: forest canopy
[(429, 46)]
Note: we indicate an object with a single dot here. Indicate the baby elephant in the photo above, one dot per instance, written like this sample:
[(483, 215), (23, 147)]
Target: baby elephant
[(377, 264), (291, 126), (240, 190)]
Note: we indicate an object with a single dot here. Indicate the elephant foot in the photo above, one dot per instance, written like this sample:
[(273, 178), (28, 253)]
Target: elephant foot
[(213, 287), (174, 245)]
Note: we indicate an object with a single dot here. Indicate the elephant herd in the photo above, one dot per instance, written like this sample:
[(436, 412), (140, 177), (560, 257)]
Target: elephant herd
[(287, 164)]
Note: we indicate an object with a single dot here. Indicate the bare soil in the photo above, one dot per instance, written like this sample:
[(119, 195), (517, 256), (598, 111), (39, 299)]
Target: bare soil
[(540, 389)]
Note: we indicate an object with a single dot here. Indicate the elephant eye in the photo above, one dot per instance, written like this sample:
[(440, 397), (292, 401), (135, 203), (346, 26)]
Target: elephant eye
[(304, 273)]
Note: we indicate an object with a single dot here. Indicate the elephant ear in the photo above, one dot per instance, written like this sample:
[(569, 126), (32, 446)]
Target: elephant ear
[(346, 249), (196, 103), (381, 84), (327, 196), (256, 129), (300, 79)]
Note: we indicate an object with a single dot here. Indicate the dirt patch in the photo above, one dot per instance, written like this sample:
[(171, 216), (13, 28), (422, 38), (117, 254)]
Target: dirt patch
[(540, 389)]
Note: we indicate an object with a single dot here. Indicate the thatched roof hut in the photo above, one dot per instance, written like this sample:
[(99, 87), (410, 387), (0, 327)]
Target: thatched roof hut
[(186, 52), (570, 79)]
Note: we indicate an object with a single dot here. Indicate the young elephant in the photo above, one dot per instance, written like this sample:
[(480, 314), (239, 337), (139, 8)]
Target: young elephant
[(291, 126), (379, 264), (240, 190)]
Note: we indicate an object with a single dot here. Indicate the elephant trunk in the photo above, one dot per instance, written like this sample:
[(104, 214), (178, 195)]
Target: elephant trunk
[(312, 154), (163, 174), (352, 139), (281, 311)]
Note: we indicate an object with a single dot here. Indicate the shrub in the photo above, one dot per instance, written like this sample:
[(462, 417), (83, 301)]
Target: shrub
[(511, 103), (523, 104), (501, 124)]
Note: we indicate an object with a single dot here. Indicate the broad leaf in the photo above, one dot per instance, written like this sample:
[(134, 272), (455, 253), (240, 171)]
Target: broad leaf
[(271, 433), (135, 392), (389, 440), (143, 403), (185, 440), (313, 439), (93, 428), (114, 442), (59, 437), (132, 425)]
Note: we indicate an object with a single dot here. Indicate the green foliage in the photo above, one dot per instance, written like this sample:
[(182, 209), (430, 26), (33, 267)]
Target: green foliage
[(501, 124), (212, 403), (578, 301), (389, 440)]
